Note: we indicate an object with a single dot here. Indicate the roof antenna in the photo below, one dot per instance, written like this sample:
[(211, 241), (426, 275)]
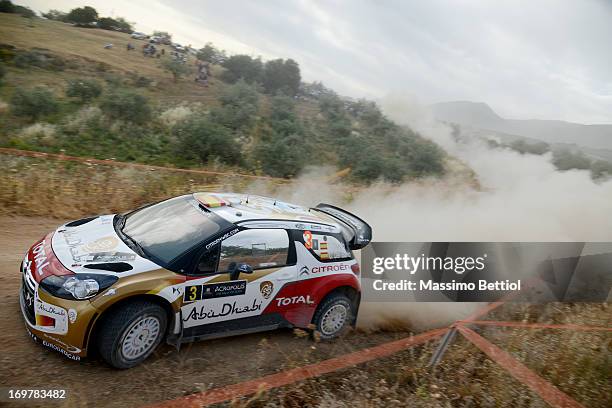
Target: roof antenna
[(247, 200), (274, 203)]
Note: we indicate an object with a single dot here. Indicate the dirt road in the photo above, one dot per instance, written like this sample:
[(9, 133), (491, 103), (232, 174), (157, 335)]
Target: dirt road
[(167, 374)]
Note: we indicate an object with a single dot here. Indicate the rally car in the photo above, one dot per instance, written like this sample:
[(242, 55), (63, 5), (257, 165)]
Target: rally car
[(192, 267)]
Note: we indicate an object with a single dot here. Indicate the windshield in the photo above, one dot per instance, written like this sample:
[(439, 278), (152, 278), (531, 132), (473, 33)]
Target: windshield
[(166, 230)]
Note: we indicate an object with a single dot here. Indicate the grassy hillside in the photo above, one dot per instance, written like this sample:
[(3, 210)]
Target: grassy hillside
[(141, 113)]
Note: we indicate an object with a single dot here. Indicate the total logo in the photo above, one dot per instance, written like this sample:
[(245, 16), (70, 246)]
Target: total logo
[(286, 301), (40, 257)]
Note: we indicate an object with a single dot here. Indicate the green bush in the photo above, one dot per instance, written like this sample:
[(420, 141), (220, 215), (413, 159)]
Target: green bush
[(126, 105), (239, 106), (601, 169), (524, 147), (41, 59), (83, 89), (281, 150), (565, 159), (82, 15), (34, 103), (281, 76), (176, 68), (211, 54), (205, 141), (242, 67), (280, 156)]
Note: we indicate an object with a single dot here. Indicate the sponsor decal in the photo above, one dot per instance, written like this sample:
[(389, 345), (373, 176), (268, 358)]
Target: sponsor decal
[(108, 257), (72, 315), (286, 301), (26, 265), (330, 268), (266, 288), (101, 245), (61, 350), (304, 271), (225, 236), (29, 299), (40, 257), (227, 309), (214, 290), (50, 318), (73, 241), (100, 250), (68, 347), (307, 235), (49, 309)]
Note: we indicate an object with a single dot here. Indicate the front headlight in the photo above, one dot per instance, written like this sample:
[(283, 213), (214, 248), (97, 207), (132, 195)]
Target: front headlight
[(79, 286)]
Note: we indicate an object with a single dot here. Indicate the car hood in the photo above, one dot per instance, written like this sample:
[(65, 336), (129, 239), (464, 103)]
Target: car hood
[(93, 246)]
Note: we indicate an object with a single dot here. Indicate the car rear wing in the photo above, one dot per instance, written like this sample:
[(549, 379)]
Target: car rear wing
[(357, 232)]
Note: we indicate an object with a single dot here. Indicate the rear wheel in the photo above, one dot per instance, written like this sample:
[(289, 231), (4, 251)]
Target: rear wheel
[(130, 334), (333, 316)]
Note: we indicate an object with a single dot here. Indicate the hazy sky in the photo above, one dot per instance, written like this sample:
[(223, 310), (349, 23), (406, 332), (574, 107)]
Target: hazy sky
[(545, 59)]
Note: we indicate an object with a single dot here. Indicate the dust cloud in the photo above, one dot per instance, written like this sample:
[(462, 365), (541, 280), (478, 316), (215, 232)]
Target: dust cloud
[(506, 197)]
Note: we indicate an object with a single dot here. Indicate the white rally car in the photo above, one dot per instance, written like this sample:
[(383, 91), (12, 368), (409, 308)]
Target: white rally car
[(192, 267)]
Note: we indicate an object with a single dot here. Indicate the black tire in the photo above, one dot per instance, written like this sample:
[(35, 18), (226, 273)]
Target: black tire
[(336, 301), (123, 321)]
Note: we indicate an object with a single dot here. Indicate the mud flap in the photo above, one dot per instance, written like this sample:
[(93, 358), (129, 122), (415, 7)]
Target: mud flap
[(356, 304), (177, 340)]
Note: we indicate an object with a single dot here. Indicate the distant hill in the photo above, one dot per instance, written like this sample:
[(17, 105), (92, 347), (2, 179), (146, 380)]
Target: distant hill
[(480, 115)]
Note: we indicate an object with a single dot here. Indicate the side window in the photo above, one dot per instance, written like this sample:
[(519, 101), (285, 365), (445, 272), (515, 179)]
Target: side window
[(259, 248), (328, 247), (208, 262)]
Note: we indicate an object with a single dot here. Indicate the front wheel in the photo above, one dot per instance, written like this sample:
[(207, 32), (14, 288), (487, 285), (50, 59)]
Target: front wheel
[(333, 317), (130, 334)]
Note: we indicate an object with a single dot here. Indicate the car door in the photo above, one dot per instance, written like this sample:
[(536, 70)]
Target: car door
[(239, 278)]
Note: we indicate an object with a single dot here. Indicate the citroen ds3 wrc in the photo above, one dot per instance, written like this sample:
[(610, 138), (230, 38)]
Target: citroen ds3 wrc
[(192, 267)]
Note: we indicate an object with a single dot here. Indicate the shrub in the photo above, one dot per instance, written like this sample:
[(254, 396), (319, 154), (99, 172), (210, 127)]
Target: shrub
[(280, 156), (242, 67), (281, 76), (83, 89), (565, 159), (34, 103), (126, 105), (171, 117), (239, 106), (55, 15), (41, 59), (82, 15), (523, 147), (211, 54), (202, 140), (38, 134), (601, 169), (176, 68), (115, 24)]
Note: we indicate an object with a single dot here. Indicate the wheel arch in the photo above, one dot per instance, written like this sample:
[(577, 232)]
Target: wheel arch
[(350, 292), (91, 335)]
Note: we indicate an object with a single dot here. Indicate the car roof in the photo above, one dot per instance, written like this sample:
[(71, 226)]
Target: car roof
[(248, 209)]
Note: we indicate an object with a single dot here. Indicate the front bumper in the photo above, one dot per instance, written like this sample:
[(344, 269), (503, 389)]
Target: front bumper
[(60, 324)]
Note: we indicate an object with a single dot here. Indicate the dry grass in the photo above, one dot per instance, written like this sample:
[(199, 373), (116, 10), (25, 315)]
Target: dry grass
[(31, 186), (578, 363), (84, 47)]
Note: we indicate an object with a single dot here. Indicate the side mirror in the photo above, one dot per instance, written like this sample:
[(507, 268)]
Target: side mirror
[(244, 268)]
